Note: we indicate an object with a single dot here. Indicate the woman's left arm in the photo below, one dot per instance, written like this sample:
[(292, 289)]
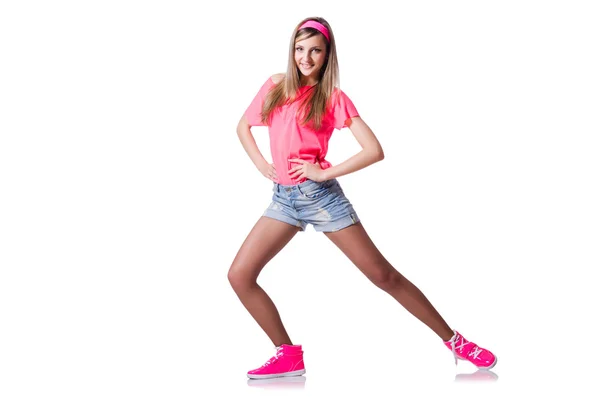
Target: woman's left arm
[(371, 152)]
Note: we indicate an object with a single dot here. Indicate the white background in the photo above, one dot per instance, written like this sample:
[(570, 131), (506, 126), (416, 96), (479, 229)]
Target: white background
[(125, 195)]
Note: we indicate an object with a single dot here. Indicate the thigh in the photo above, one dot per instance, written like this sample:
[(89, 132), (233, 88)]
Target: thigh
[(356, 244), (265, 240)]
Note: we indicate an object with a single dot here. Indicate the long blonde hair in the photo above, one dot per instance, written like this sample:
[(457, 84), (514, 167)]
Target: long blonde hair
[(314, 106)]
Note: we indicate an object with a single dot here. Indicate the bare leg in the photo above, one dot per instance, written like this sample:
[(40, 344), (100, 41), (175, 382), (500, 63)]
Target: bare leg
[(265, 240), (358, 247)]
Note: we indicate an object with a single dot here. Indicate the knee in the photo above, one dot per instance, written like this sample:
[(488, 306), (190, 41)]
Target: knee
[(386, 278), (238, 279)]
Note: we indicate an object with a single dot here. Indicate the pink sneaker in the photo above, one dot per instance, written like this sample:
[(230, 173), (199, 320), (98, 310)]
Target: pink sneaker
[(288, 361), (465, 350)]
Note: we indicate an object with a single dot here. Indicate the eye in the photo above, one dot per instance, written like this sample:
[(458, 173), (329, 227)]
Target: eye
[(298, 48)]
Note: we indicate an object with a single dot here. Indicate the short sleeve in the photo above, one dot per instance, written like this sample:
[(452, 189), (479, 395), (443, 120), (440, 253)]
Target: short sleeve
[(253, 113), (343, 109)]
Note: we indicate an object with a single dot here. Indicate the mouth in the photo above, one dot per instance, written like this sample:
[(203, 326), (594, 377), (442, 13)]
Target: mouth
[(305, 66)]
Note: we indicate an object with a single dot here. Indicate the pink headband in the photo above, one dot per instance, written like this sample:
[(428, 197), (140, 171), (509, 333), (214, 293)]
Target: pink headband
[(316, 25)]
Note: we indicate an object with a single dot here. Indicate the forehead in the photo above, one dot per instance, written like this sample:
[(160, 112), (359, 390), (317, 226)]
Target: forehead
[(315, 41)]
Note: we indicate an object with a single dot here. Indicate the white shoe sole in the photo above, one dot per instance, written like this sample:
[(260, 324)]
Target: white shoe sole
[(490, 367), (268, 376)]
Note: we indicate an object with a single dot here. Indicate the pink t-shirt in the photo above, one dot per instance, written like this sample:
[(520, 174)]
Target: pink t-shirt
[(290, 139)]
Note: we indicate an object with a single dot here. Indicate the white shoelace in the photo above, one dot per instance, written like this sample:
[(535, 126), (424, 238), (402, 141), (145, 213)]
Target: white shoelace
[(453, 343), (454, 347), (475, 352), (273, 359), (463, 342)]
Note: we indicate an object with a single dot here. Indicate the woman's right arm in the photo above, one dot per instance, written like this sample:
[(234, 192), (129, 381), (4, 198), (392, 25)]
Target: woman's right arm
[(251, 148)]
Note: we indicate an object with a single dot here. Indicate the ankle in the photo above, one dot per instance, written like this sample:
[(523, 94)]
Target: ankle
[(447, 337)]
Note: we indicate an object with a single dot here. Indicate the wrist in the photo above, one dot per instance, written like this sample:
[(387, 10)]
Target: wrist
[(260, 165)]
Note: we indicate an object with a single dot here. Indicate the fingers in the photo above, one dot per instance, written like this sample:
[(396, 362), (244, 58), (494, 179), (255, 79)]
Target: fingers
[(296, 171), (296, 174)]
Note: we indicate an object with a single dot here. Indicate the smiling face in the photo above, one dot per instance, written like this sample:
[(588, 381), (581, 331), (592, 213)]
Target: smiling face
[(310, 55)]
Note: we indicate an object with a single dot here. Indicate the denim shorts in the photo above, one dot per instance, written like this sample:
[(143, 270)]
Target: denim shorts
[(322, 204)]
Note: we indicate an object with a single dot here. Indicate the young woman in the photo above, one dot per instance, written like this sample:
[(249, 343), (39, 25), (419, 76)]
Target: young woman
[(302, 108)]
